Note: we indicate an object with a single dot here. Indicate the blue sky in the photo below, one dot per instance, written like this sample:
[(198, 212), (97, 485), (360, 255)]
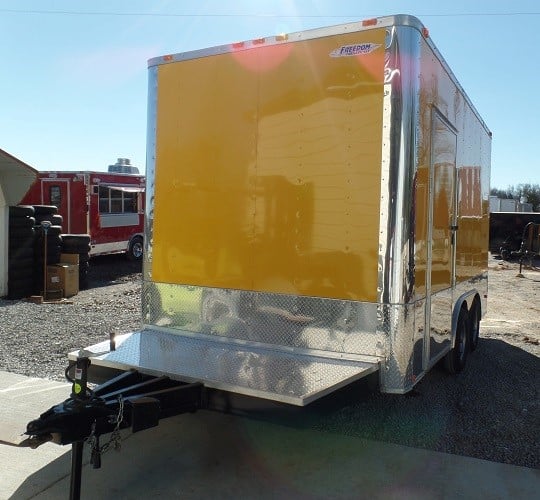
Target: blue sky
[(74, 77)]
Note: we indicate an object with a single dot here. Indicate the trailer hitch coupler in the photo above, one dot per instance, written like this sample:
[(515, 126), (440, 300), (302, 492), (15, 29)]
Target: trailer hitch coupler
[(80, 381)]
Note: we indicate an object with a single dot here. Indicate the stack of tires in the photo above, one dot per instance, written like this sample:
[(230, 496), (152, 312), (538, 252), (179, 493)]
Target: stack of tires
[(48, 242), (79, 244), (47, 213), (21, 268)]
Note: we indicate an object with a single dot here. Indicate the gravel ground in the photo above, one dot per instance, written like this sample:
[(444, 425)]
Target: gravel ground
[(490, 411)]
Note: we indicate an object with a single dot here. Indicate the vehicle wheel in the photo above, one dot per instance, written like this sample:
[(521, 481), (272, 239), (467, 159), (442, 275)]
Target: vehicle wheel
[(135, 250), (474, 325), (456, 359)]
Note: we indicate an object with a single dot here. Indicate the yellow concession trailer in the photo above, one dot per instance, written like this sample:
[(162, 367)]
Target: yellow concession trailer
[(317, 210)]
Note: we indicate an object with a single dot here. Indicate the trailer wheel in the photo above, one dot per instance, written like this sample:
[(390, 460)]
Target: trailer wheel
[(456, 359), (474, 325), (135, 250)]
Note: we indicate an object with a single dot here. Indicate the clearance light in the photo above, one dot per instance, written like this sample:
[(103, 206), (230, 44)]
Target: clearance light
[(282, 38), (238, 45), (425, 32), (258, 41), (369, 22), (168, 58)]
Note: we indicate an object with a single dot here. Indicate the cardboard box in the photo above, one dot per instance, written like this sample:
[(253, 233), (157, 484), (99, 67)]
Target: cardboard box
[(69, 258), (54, 279), (63, 277)]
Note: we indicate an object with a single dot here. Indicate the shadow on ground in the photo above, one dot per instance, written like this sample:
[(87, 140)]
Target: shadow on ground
[(108, 270)]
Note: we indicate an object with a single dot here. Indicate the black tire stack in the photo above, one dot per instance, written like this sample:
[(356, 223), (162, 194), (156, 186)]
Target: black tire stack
[(79, 244), (21, 268), (52, 244)]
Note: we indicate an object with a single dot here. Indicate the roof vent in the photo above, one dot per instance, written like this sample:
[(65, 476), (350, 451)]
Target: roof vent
[(123, 166)]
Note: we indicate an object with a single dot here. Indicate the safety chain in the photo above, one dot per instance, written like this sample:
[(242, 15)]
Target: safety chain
[(115, 440)]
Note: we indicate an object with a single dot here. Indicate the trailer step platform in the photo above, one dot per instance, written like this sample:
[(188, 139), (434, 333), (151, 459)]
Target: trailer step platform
[(263, 372)]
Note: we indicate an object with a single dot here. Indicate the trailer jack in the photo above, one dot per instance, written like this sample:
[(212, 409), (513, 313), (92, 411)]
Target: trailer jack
[(130, 400)]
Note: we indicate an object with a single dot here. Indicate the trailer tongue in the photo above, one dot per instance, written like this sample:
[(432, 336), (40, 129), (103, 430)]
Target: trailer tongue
[(130, 400)]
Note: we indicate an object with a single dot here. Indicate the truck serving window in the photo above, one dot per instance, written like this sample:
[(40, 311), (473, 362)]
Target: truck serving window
[(117, 201)]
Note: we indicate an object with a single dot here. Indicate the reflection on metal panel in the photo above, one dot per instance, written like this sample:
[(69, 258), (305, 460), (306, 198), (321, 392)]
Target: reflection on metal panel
[(443, 165), (397, 323), (259, 372), (396, 218), (440, 325), (309, 323)]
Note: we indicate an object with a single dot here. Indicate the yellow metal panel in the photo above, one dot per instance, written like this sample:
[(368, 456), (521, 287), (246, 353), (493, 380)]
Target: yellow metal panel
[(268, 169)]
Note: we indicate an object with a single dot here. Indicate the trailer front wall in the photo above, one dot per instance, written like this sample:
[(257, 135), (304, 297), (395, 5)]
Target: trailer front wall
[(267, 186)]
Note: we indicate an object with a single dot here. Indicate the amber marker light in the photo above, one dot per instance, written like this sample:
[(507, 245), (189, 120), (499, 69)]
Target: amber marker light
[(369, 22)]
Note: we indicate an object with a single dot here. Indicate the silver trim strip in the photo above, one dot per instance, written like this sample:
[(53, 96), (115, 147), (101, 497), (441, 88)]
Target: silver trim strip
[(151, 138)]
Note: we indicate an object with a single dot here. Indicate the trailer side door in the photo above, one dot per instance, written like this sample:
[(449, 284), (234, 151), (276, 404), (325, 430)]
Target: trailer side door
[(441, 237)]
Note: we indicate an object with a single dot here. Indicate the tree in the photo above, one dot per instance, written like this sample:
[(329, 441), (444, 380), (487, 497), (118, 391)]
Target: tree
[(529, 191), (500, 193)]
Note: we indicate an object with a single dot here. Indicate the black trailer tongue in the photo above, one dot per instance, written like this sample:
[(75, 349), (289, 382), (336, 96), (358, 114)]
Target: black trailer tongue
[(130, 400)]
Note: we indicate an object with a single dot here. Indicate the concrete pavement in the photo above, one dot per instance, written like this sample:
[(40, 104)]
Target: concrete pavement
[(212, 455)]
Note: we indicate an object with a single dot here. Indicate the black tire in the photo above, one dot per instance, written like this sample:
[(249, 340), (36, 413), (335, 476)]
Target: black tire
[(21, 211), (21, 263), (21, 253), (20, 222), (52, 256), (136, 247), (84, 258), (21, 232), (45, 209), (52, 231), (52, 247), (20, 293), (80, 249), (21, 273), (84, 267), (21, 284), (24, 242), (83, 282), (75, 240), (54, 219), (456, 359), (57, 220), (475, 315)]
